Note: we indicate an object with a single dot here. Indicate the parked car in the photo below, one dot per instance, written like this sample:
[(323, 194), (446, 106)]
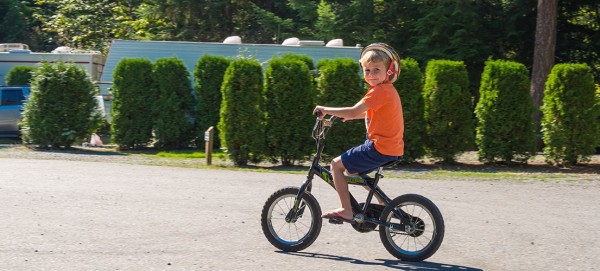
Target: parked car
[(11, 108)]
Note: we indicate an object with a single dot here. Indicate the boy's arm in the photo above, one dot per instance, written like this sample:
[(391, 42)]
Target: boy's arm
[(347, 113)]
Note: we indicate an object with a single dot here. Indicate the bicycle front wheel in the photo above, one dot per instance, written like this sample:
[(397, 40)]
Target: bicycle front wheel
[(422, 238), (287, 232)]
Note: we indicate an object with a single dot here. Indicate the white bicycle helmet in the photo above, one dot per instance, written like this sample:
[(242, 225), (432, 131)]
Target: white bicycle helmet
[(394, 68)]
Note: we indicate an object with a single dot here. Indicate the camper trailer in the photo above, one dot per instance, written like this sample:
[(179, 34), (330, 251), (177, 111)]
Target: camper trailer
[(18, 54), (190, 52)]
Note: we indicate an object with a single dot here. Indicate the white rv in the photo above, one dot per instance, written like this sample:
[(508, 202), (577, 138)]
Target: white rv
[(18, 54)]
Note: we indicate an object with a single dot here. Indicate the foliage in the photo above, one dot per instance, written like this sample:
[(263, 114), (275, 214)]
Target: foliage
[(578, 33), (131, 126), (505, 129), (289, 100), (448, 116), (464, 30), (304, 58), (410, 88), (570, 112), (174, 105), (62, 108), (208, 78), (20, 76), (339, 84), (89, 24), (241, 123), (12, 22), (453, 26)]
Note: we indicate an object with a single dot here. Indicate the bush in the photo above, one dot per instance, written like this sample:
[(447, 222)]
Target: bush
[(569, 122), (339, 84), (410, 88), (20, 76), (132, 103), (174, 105), (62, 108), (448, 116), (208, 78), (289, 101), (505, 129), (304, 58), (241, 122)]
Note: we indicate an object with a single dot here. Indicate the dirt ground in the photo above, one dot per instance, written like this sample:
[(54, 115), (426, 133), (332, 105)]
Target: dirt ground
[(63, 211)]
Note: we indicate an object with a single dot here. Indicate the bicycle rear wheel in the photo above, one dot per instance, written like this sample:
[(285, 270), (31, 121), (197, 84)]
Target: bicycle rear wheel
[(415, 243), (293, 233)]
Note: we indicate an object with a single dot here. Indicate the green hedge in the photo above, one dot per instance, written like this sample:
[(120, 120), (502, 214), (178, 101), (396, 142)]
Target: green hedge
[(20, 76), (208, 78), (448, 116), (174, 105), (289, 100), (62, 108), (410, 88), (133, 97), (339, 85), (304, 58), (505, 129), (570, 112), (241, 122)]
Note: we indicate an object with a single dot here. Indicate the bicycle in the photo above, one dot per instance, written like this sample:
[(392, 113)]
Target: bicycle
[(411, 227)]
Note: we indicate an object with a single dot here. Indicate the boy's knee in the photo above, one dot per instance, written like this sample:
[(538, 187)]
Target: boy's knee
[(336, 164)]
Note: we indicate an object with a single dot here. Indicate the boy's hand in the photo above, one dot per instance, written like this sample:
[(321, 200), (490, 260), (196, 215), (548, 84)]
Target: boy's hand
[(318, 112)]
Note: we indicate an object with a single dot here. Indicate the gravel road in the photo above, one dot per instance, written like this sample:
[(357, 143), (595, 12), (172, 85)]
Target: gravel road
[(91, 215)]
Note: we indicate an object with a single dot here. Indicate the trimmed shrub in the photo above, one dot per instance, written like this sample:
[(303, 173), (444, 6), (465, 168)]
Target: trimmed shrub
[(174, 105), (208, 78), (289, 100), (569, 122), (505, 128), (241, 123), (339, 84), (448, 116), (20, 76), (131, 125), (62, 107), (304, 58), (410, 88)]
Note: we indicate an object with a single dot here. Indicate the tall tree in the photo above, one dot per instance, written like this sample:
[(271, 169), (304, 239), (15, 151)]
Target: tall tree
[(543, 57), (12, 23)]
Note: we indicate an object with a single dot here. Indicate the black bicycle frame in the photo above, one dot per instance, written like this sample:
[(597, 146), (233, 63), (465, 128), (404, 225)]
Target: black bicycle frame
[(364, 180)]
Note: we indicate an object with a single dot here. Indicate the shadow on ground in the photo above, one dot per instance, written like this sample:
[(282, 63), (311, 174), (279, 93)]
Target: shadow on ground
[(392, 264)]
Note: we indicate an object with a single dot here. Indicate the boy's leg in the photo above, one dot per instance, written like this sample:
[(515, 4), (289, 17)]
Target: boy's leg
[(341, 186)]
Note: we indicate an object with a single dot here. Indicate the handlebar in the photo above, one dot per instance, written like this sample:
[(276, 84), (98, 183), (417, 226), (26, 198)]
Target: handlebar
[(322, 126)]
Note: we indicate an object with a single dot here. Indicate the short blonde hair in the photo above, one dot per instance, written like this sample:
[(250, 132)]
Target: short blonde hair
[(375, 56)]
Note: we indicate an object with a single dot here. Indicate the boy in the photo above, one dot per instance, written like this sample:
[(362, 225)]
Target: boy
[(382, 110)]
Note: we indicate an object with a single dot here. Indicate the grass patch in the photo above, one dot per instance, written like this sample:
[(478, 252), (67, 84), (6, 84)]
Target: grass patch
[(187, 154), (491, 176)]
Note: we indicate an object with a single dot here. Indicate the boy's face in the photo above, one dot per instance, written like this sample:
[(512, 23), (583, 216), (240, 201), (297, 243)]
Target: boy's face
[(375, 73)]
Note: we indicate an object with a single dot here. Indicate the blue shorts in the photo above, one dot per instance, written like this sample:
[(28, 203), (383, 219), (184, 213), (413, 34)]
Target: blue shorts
[(364, 158)]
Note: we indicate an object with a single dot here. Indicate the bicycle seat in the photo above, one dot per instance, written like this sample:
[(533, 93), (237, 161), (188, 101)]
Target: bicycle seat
[(391, 163)]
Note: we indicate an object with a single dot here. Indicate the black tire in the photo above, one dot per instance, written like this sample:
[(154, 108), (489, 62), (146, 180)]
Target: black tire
[(427, 236), (295, 235)]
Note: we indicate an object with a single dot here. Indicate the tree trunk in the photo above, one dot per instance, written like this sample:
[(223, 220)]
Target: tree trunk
[(543, 54)]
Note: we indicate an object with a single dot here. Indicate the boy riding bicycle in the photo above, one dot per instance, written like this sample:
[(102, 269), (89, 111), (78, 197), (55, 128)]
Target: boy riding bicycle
[(382, 110)]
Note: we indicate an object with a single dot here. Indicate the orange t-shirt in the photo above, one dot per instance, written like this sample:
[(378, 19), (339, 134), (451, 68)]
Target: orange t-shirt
[(385, 121)]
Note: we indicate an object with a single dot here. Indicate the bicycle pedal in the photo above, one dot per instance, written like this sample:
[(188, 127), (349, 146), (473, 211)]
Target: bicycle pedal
[(335, 221)]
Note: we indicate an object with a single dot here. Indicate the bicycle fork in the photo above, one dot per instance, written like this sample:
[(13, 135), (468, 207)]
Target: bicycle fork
[(297, 209)]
